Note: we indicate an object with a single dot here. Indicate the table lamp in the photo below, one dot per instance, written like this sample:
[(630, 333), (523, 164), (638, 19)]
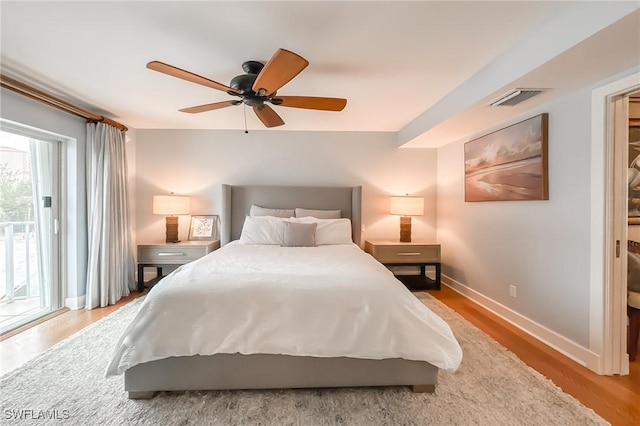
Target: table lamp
[(171, 206), (406, 207)]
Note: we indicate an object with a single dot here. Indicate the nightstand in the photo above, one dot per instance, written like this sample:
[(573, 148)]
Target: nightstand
[(158, 255), (415, 253)]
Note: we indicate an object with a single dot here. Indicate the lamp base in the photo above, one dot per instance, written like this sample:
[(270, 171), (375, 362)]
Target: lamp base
[(405, 229), (172, 229)]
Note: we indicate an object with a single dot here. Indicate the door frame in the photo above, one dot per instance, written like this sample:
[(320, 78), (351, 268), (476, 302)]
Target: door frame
[(607, 270)]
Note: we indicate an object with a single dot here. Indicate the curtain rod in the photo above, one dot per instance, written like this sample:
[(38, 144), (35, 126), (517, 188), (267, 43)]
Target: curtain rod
[(33, 93)]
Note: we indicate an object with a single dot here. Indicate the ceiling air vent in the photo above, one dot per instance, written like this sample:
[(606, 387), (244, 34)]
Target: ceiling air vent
[(515, 96)]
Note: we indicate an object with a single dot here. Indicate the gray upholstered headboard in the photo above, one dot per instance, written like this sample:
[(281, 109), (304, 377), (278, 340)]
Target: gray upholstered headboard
[(237, 201)]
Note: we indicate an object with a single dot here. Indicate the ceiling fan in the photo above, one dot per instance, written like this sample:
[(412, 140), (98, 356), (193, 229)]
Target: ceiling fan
[(258, 87)]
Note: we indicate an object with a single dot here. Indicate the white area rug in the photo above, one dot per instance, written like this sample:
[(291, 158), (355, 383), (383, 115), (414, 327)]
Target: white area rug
[(66, 385)]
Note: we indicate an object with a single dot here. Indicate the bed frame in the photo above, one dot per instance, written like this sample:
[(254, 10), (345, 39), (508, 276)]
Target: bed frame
[(263, 371)]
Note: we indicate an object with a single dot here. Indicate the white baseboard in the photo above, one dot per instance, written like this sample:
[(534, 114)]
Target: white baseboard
[(75, 303), (568, 348)]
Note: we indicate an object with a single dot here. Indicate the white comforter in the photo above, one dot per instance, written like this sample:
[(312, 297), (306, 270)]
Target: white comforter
[(326, 301)]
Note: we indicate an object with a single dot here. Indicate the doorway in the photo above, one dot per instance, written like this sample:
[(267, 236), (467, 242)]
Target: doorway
[(633, 233), (608, 218), (29, 227), (616, 202)]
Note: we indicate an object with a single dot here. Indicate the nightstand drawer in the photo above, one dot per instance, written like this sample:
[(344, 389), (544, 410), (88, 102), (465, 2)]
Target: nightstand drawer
[(414, 253), (417, 253), (170, 254)]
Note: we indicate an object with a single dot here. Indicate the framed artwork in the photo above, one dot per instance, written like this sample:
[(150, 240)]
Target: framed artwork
[(203, 227), (510, 164)]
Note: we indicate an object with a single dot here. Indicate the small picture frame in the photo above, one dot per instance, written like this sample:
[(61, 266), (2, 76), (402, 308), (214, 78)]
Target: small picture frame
[(203, 227)]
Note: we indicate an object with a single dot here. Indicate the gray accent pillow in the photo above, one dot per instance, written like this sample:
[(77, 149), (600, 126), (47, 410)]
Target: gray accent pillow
[(318, 214), (263, 211), (299, 234)]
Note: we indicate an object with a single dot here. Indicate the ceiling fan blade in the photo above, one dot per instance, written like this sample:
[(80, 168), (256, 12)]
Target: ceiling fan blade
[(310, 102), (209, 107), (189, 76), (281, 68), (268, 116)]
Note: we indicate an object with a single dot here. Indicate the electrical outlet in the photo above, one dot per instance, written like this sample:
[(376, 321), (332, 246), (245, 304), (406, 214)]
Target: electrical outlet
[(512, 290)]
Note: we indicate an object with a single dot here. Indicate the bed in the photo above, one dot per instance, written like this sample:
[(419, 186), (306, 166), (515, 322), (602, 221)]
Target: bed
[(271, 317)]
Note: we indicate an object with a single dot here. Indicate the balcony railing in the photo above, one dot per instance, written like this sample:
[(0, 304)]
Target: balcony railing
[(12, 258)]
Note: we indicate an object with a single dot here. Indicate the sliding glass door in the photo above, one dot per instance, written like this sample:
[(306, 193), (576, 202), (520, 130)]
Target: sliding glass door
[(29, 228)]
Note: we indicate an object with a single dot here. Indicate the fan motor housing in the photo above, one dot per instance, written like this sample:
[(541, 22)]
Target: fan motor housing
[(244, 84)]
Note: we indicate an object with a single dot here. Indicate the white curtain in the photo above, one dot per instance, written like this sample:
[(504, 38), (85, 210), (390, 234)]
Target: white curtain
[(41, 175), (110, 260)]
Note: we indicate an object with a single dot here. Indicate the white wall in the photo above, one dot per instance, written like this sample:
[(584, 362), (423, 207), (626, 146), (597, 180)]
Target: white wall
[(196, 162), (541, 247)]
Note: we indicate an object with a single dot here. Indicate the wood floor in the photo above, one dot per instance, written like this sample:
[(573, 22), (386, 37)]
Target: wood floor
[(615, 398), (20, 348)]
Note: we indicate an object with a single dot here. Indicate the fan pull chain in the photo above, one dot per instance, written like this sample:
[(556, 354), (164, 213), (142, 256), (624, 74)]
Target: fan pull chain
[(244, 109)]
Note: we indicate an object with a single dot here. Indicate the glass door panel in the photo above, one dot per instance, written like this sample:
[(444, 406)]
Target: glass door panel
[(28, 210)]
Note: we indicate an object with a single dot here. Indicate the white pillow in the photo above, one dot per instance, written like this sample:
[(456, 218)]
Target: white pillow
[(263, 211), (320, 214), (329, 231), (262, 230)]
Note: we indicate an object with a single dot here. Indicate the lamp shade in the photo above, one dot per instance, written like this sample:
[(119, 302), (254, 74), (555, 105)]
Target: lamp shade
[(407, 206), (171, 204)]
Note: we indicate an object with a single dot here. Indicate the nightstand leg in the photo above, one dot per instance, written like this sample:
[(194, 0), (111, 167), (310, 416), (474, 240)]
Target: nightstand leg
[(159, 271), (140, 278), (438, 276)]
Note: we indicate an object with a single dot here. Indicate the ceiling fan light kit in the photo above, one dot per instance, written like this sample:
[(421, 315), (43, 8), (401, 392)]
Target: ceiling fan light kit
[(257, 87)]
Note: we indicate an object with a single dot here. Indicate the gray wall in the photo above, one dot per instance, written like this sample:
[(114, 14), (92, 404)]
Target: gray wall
[(26, 111)]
